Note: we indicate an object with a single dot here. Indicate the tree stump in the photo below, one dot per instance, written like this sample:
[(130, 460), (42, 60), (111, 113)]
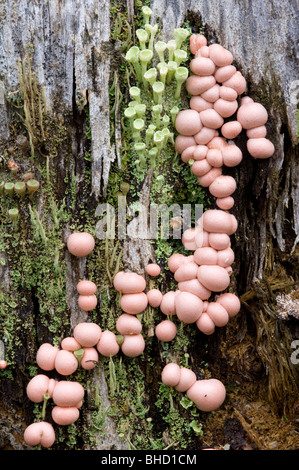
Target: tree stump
[(63, 90)]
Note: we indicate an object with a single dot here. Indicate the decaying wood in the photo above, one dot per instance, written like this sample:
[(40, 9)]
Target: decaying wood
[(72, 54)]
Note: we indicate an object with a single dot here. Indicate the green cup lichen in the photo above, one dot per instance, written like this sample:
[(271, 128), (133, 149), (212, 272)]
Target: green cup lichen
[(142, 36), (9, 189)]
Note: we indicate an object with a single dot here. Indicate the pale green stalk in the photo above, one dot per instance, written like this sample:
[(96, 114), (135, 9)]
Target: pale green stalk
[(132, 56), (171, 46), (147, 12), (180, 34), (160, 48), (151, 75), (135, 93), (158, 91), (156, 114), (142, 36), (172, 66), (181, 75)]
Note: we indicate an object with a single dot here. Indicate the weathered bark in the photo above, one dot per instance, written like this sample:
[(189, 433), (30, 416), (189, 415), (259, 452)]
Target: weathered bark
[(76, 59)]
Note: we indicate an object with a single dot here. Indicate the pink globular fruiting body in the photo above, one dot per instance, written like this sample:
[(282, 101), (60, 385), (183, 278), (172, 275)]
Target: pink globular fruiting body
[(207, 394), (108, 345), (87, 334), (46, 356), (40, 433), (80, 244)]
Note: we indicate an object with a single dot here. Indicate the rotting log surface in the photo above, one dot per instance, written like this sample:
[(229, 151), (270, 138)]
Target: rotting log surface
[(75, 60)]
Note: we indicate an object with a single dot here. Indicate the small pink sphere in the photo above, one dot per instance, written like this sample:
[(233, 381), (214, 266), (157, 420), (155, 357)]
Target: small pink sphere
[(225, 108), (205, 324), (46, 355), (188, 154), (218, 314), (227, 93), (202, 66), (188, 307), (199, 104), (212, 94), (219, 241), (225, 203), (226, 257), (86, 287), (87, 302), (194, 287), (134, 303), (256, 132), (230, 302), (167, 305), (214, 157), (153, 269), (171, 374), (201, 167), (128, 324), (251, 115), (186, 272), (129, 282), (65, 362), (224, 73), (208, 394), (166, 331), (211, 118), (133, 345), (205, 255), (80, 244), (89, 359), (215, 278), (67, 393), (70, 344), (182, 142), (187, 379), (188, 236), (260, 148), (223, 186), (107, 345), (154, 297), (87, 334), (237, 82), (188, 122), (200, 152), (39, 433), (37, 388), (209, 177), (197, 41), (231, 129), (175, 261), (217, 142), (65, 416), (196, 85), (220, 56)]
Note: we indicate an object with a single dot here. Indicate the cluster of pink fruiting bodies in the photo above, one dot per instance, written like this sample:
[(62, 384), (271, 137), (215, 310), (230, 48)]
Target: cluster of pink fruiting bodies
[(205, 141), (215, 86), (205, 137)]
